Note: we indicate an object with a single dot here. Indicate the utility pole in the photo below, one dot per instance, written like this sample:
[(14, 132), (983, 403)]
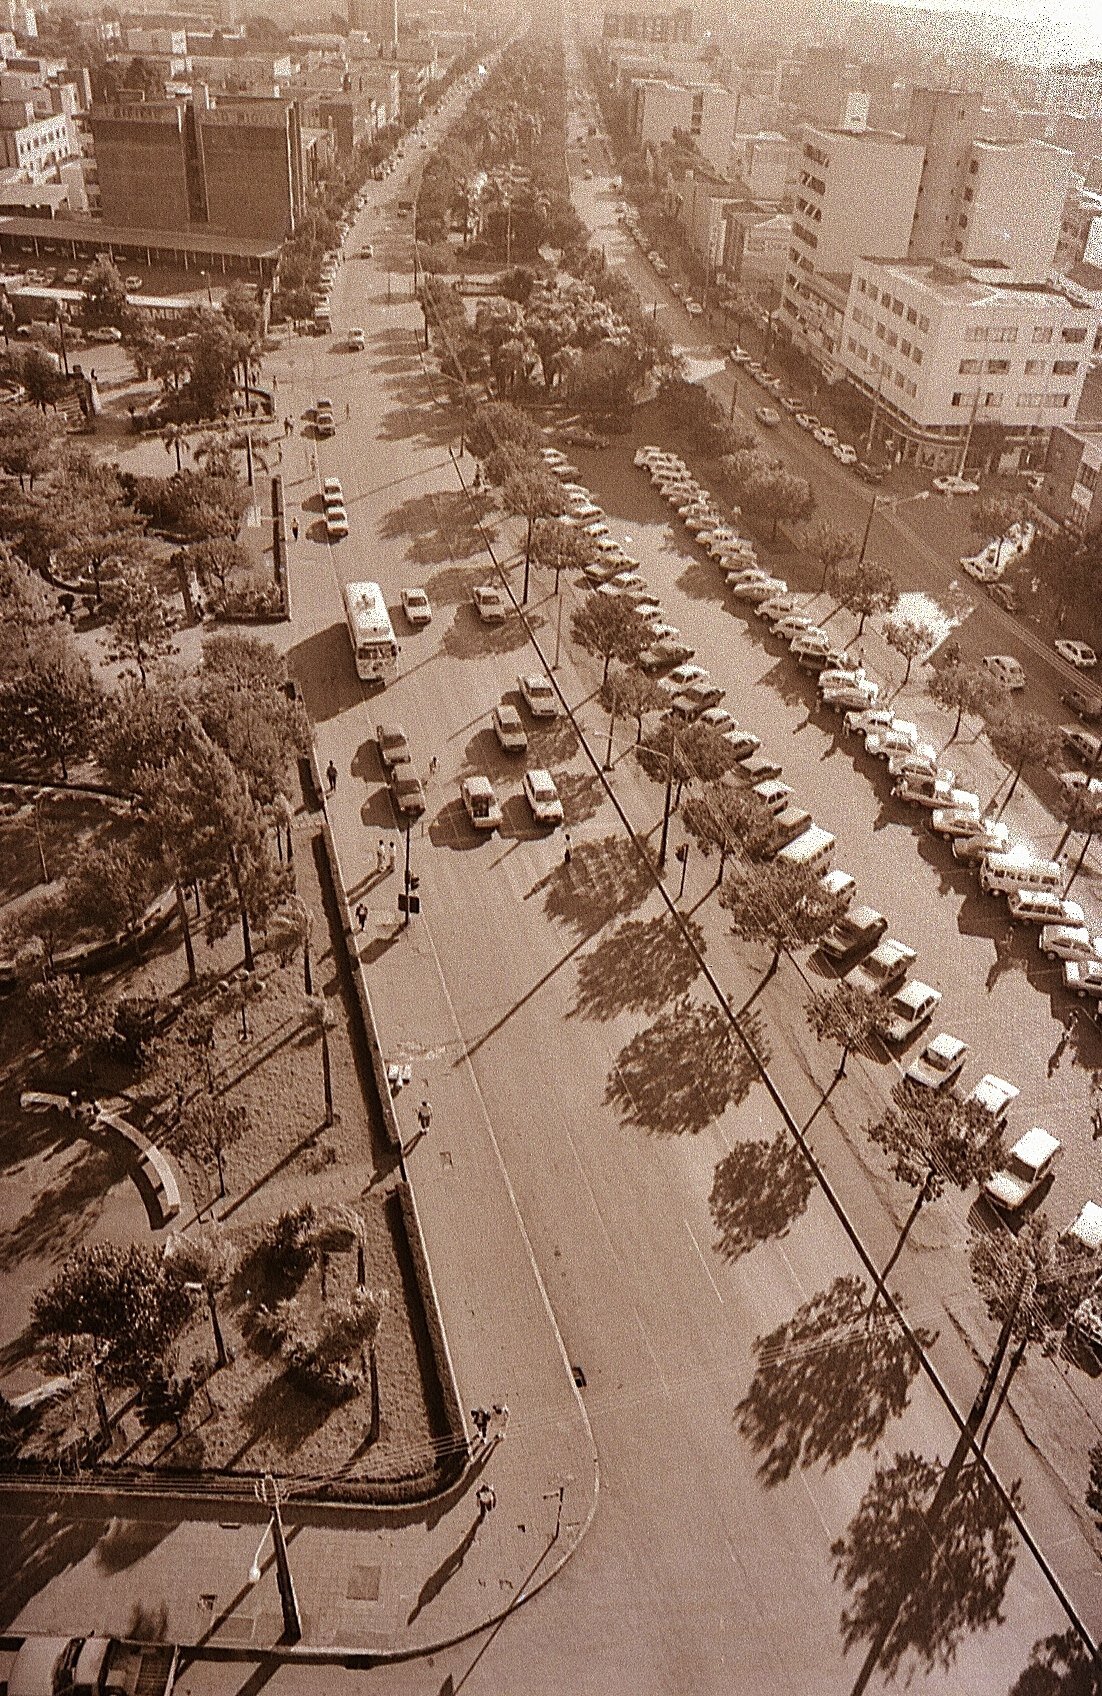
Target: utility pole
[(267, 1491), (875, 410), (968, 435), (667, 803), (868, 527)]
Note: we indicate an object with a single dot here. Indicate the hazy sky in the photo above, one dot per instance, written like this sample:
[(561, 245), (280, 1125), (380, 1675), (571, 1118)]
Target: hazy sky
[(1058, 29)]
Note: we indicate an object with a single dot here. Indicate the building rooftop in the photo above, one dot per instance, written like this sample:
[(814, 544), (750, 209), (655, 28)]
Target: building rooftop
[(964, 282)]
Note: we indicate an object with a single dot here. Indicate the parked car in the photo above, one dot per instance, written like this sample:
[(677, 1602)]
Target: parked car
[(1078, 654), (849, 697), (1070, 942), (542, 797), (1086, 703), (767, 415), (691, 702), (539, 697), (758, 589), (870, 473), (860, 929), (994, 1095), (1083, 743), (955, 485), (1043, 907), (868, 720), (908, 1010), (1083, 977), (743, 743), (416, 606), (509, 730), (356, 340), (845, 452), (681, 676), (488, 604), (1006, 670), (336, 522), (1028, 1164), (955, 822), (882, 971), (940, 1063), (393, 745), (665, 652), (1003, 596), (973, 850)]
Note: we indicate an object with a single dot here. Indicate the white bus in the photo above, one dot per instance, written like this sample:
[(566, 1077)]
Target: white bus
[(370, 632)]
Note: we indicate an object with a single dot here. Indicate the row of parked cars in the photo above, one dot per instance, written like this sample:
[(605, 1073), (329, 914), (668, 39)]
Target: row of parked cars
[(844, 452), (859, 946)]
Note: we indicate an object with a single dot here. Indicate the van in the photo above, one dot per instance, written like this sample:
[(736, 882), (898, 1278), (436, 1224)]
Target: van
[(787, 826), (813, 849), (1002, 873), (483, 808)]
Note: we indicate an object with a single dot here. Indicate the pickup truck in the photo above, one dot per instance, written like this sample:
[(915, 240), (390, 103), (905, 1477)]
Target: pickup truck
[(92, 1666)]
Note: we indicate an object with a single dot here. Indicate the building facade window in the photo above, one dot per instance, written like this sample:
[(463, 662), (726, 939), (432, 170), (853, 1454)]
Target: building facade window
[(1065, 367), (1073, 333), (1041, 333), (970, 367)]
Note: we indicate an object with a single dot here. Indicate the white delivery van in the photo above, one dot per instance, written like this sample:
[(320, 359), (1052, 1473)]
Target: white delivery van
[(1001, 874), (813, 849)]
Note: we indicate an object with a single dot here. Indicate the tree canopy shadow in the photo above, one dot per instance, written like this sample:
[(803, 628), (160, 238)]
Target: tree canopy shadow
[(1060, 1665), (552, 741), (827, 1381), (605, 877), (637, 968), (439, 525), (450, 584), (66, 1207), (684, 1070), (918, 1590), (759, 1189), (467, 638), (580, 793)]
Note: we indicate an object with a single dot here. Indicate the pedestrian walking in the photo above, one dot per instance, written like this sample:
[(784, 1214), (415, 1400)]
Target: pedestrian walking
[(381, 856), (361, 915), (392, 856), (331, 777), (487, 1500), (294, 528), (348, 409), (478, 477), (501, 1420), (433, 763), (287, 426), (424, 1115), (567, 849), (480, 1419), (1096, 1124)]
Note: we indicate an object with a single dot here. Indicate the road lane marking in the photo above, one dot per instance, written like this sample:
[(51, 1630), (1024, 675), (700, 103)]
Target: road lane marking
[(703, 1262)]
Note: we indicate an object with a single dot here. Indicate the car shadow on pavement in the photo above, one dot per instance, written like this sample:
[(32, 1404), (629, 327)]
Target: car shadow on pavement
[(759, 1190), (683, 1071), (637, 968), (451, 828), (828, 1381)]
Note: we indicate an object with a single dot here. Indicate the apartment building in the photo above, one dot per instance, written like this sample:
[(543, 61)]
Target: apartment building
[(703, 111), (1072, 490), (662, 25), (961, 360)]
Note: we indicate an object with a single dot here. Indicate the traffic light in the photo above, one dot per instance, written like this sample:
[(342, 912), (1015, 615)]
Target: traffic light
[(409, 903)]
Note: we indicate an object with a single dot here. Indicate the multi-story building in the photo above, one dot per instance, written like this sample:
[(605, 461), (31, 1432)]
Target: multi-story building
[(703, 111), (1072, 490), (760, 164), (1080, 229), (960, 359), (234, 167), (656, 24)]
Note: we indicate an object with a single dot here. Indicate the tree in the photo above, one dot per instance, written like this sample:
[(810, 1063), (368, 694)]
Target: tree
[(932, 1140), (125, 1298), (323, 1021), (213, 561), (204, 1257), (214, 349), (863, 588), (69, 1019), (784, 906), (1082, 810), (964, 688), (532, 493), (909, 638), (25, 607), (49, 709), (609, 629), (1021, 739), (40, 377), (562, 547), (499, 425), (602, 381), (28, 442), (140, 623), (37, 928), (111, 887), (209, 1126), (687, 752), (847, 1015), (729, 817), (638, 694), (241, 307), (1030, 1282), (763, 484), (104, 294), (242, 704), (831, 548)]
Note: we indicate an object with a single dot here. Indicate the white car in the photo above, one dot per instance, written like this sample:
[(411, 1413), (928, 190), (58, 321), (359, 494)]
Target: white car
[(901, 738), (789, 625), (1070, 942), (1082, 742), (331, 492), (989, 838), (1078, 654), (883, 971), (1084, 977), (868, 720), (336, 522), (542, 797), (488, 604), (1044, 907), (508, 729), (1005, 669), (767, 415), (1074, 780), (416, 606), (356, 340), (994, 1095), (917, 765), (717, 719), (782, 606), (956, 822), (845, 452), (850, 697), (681, 676), (1028, 1164), (908, 1009), (539, 697), (940, 1063), (955, 485), (825, 435), (758, 590)]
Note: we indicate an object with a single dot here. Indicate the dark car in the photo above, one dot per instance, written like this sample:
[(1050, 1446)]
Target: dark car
[(1084, 703), (1003, 596), (860, 930), (870, 473), (405, 786)]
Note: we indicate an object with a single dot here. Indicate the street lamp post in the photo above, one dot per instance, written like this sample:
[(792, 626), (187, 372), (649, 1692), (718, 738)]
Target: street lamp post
[(887, 500), (267, 1491)]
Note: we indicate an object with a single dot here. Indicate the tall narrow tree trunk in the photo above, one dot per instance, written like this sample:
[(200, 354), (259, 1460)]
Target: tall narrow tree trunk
[(101, 1404), (326, 1076), (920, 1201)]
